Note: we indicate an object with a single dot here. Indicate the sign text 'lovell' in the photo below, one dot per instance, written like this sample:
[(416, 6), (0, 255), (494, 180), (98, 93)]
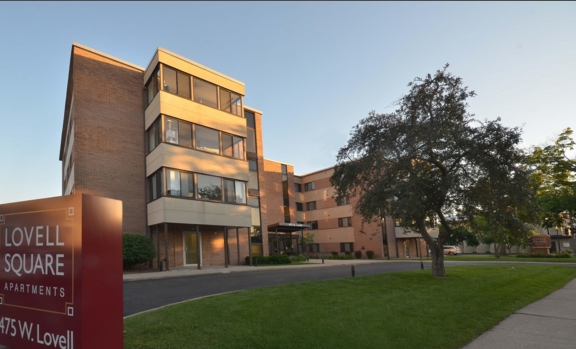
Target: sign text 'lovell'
[(61, 273)]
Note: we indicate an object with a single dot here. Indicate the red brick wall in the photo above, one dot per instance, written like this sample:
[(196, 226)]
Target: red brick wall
[(261, 182), (108, 118)]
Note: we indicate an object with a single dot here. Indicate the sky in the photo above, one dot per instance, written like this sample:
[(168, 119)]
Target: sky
[(315, 69)]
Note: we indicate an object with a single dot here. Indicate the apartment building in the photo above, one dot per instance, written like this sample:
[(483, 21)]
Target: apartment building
[(175, 142)]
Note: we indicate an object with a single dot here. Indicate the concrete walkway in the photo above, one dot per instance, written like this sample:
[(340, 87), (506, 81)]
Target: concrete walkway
[(547, 323)]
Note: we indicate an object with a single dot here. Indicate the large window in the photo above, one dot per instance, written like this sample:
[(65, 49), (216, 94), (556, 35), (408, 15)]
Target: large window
[(234, 191), (205, 93), (184, 85), (152, 85), (207, 140), (253, 175), (345, 222), (309, 186), (342, 201), (230, 102), (155, 187), (346, 247), (178, 132), (250, 131), (176, 82), (313, 225), (232, 146), (310, 205), (298, 187), (181, 184), (299, 206), (153, 135)]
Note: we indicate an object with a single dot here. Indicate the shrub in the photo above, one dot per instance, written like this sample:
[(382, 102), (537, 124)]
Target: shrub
[(336, 256), (136, 249), (358, 254), (298, 259), (269, 260), (347, 253), (334, 253), (488, 252), (537, 255), (370, 254)]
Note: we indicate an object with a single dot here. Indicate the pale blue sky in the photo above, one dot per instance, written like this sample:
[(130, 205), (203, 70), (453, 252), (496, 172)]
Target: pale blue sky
[(314, 69)]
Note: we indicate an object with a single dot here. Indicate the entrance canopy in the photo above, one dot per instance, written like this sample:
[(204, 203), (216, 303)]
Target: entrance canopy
[(287, 227)]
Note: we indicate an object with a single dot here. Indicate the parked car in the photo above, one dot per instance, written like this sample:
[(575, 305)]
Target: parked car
[(451, 250)]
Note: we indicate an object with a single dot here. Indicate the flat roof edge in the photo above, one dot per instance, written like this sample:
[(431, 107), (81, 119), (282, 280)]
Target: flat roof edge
[(200, 65), (100, 53), (253, 109), (278, 162), (318, 171)]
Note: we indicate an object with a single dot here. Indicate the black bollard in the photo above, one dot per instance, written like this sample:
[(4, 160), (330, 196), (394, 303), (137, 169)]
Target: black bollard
[(322, 259), (160, 266), (256, 260), (421, 265), (353, 272)]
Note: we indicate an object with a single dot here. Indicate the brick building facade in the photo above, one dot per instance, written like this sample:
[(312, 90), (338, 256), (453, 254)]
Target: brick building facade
[(176, 144)]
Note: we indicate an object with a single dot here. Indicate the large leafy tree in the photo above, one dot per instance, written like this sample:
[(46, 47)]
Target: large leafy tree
[(554, 176), (428, 163)]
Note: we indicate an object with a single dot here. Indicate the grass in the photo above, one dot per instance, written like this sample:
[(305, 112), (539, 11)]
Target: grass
[(396, 310), (491, 258)]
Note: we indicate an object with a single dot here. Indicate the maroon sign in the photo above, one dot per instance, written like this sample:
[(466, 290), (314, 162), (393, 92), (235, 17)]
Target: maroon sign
[(61, 273), (540, 241)]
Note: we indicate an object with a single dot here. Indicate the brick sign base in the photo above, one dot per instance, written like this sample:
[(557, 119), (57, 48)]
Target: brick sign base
[(61, 273)]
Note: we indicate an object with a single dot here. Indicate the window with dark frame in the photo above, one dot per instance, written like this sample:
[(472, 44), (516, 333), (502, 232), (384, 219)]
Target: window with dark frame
[(345, 222), (346, 247), (313, 225), (205, 93), (299, 207), (310, 205), (345, 200), (309, 186), (297, 187), (152, 85)]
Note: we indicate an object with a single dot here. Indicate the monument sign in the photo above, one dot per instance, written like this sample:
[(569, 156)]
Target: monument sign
[(61, 273)]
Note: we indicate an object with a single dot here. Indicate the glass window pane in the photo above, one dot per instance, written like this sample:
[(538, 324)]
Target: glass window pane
[(238, 148), (253, 181), (187, 184), (184, 85), (251, 141), (240, 192), (169, 79), (207, 140), (173, 182), (185, 134), (236, 102), (227, 145), (224, 100), (205, 93), (152, 137), (229, 191), (253, 165), (209, 188), (171, 130), (250, 119), (153, 188)]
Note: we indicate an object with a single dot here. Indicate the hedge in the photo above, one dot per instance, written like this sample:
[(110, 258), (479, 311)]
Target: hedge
[(136, 249)]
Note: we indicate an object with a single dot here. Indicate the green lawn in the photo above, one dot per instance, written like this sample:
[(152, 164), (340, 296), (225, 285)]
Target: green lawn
[(396, 310), (508, 259)]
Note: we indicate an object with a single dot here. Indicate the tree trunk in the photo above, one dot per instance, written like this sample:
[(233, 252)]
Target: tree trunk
[(438, 260), (437, 252), (497, 251)]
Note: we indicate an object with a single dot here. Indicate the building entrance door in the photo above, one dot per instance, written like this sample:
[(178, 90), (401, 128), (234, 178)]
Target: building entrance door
[(191, 248)]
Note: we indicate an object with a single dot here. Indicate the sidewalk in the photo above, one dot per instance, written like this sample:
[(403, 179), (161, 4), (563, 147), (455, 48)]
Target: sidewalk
[(547, 323), (189, 271)]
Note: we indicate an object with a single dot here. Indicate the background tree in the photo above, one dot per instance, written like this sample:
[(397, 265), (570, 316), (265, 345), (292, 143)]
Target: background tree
[(554, 177), (424, 162)]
